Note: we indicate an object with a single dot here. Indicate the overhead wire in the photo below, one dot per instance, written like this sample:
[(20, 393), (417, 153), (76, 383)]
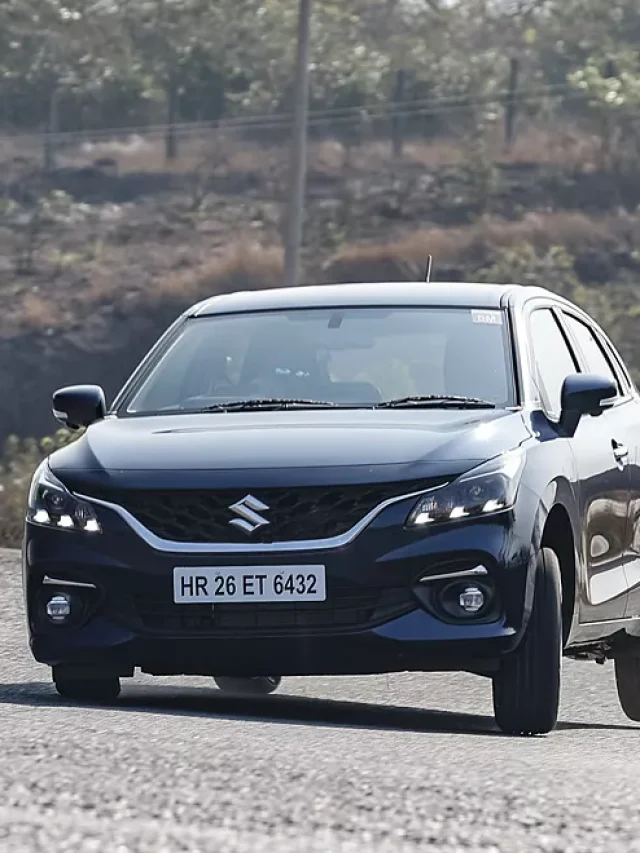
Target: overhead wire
[(340, 115)]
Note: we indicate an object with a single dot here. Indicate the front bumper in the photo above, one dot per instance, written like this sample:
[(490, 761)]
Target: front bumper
[(374, 621)]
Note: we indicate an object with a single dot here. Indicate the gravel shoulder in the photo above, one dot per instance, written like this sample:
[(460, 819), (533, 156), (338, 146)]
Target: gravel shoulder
[(404, 763)]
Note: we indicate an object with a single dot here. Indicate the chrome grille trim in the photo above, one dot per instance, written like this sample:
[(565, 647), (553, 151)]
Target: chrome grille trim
[(168, 546)]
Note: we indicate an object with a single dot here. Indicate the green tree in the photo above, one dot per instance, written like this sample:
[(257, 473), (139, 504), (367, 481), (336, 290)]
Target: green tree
[(611, 86)]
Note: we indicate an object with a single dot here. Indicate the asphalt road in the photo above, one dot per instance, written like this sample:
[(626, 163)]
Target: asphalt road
[(405, 763)]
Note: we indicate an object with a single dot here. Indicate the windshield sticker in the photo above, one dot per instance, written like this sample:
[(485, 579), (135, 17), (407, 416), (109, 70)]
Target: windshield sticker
[(489, 318)]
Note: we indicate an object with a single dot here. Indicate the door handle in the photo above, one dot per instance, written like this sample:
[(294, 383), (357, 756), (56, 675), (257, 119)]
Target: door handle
[(620, 451)]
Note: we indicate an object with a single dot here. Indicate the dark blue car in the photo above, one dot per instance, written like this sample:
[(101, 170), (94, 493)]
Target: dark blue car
[(344, 480)]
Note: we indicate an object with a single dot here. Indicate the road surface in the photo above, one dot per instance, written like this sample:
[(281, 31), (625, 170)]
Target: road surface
[(405, 763)]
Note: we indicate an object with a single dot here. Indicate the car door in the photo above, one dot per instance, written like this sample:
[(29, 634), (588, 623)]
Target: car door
[(604, 447), (632, 411)]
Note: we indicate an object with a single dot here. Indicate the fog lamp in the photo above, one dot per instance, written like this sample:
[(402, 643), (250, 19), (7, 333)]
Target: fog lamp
[(471, 599), (58, 608)]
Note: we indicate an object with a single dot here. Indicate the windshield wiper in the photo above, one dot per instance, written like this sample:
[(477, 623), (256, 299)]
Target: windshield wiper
[(267, 404), (436, 401)]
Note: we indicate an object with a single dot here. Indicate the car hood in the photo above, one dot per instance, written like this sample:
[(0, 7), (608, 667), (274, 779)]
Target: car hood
[(290, 446)]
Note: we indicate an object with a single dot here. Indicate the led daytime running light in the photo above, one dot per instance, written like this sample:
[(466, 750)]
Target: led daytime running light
[(52, 505), (488, 489)]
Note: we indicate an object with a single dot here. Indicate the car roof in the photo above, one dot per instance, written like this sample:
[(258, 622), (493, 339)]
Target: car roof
[(395, 293)]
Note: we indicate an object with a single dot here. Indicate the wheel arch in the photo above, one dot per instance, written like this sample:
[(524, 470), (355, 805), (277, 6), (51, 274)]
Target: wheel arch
[(557, 528), (557, 534)]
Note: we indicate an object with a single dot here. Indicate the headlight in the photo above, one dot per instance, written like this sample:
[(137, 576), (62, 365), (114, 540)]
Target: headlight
[(50, 504), (487, 489)]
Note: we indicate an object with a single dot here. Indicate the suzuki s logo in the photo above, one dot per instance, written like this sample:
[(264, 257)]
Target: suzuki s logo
[(248, 509)]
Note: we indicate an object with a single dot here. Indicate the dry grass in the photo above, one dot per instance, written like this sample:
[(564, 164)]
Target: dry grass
[(21, 148), (556, 142), (324, 156), (561, 144), (139, 154), (38, 312), (243, 266), (574, 231), (134, 154), (248, 264)]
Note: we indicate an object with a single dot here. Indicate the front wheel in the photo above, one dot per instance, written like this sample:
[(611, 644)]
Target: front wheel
[(258, 686), (526, 690), (87, 689), (628, 684)]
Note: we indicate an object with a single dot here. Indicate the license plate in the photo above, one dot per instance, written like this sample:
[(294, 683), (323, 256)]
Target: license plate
[(205, 585)]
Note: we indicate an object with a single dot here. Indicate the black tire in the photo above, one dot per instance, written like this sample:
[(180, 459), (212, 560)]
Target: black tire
[(526, 691), (88, 689), (628, 684), (258, 686)]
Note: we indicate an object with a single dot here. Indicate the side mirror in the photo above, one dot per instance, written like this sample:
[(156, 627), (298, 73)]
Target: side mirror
[(79, 405), (584, 394)]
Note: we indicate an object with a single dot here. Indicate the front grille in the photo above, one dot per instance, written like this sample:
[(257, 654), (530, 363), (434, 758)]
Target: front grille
[(293, 514), (348, 608)]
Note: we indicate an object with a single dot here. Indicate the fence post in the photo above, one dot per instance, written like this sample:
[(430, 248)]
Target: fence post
[(51, 133), (397, 124), (510, 106), (170, 141)]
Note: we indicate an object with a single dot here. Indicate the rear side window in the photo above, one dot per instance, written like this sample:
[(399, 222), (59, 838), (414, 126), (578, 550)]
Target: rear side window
[(596, 359), (553, 358), (619, 366)]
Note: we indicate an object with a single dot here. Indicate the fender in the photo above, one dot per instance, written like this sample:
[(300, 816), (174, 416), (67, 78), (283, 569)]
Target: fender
[(557, 493)]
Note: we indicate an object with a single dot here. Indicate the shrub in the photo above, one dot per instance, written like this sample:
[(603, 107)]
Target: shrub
[(522, 264), (20, 460)]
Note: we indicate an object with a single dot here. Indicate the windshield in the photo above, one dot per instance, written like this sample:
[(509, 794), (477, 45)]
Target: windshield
[(355, 357)]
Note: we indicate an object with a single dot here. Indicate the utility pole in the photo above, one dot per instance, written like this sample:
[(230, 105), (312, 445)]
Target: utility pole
[(511, 105), (298, 173)]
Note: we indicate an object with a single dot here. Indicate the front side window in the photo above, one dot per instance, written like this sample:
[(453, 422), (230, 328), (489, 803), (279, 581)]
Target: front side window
[(351, 357), (553, 359)]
